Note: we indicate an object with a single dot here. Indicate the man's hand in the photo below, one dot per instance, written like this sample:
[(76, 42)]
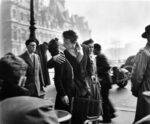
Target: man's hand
[(65, 100), (22, 81), (60, 58)]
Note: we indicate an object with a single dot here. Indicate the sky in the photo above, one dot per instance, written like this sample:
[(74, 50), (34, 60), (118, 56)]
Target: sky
[(114, 23)]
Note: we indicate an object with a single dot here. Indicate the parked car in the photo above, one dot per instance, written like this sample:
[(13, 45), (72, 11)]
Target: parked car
[(128, 63), (121, 75)]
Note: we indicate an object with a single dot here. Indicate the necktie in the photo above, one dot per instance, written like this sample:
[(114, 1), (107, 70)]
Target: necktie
[(32, 58)]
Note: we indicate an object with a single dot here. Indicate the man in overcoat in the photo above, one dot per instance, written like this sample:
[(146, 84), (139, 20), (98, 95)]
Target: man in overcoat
[(141, 78), (103, 68)]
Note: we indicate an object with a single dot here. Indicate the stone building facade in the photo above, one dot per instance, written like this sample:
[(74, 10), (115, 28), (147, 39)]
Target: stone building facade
[(50, 19)]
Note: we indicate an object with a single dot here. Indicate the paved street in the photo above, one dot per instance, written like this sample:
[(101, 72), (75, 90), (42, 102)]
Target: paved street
[(124, 103), (122, 99)]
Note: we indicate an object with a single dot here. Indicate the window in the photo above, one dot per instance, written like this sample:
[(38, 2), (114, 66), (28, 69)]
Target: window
[(14, 33), (21, 16), (14, 13), (23, 35)]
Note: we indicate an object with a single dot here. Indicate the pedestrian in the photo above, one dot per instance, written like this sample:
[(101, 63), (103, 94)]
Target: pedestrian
[(63, 78), (103, 68), (42, 52), (34, 82), (141, 77), (92, 78), (12, 74)]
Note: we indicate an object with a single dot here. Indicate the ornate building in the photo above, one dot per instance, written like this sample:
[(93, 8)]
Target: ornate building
[(51, 20), (0, 31)]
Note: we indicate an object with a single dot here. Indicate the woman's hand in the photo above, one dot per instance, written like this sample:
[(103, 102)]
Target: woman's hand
[(60, 58)]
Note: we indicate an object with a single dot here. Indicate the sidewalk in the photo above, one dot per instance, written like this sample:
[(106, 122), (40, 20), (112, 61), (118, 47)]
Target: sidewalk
[(124, 116)]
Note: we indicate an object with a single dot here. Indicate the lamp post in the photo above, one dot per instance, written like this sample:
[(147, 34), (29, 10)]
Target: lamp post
[(32, 23)]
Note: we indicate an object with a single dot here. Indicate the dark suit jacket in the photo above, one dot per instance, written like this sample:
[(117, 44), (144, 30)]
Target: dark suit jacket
[(63, 80), (102, 70), (81, 70), (34, 81)]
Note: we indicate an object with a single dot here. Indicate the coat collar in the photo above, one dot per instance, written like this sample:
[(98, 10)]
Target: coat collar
[(28, 59)]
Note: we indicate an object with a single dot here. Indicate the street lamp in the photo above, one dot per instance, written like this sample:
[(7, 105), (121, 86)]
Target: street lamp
[(32, 23)]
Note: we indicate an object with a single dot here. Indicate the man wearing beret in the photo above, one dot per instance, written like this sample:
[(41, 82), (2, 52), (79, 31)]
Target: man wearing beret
[(12, 76), (34, 82)]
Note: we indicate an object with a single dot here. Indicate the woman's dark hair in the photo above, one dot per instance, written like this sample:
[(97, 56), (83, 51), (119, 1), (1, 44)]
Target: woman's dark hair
[(87, 42), (53, 46), (70, 34)]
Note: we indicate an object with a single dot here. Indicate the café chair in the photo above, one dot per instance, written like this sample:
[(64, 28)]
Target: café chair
[(63, 115)]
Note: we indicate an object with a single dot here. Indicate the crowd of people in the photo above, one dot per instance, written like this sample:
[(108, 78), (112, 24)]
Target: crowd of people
[(81, 71)]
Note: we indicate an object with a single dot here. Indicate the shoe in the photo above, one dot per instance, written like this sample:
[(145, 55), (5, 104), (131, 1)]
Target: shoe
[(113, 116), (105, 121)]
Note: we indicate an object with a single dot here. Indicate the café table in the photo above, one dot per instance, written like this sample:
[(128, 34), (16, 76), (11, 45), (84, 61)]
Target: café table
[(63, 115)]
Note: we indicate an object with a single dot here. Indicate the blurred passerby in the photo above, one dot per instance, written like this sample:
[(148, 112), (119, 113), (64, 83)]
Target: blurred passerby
[(34, 74), (103, 74), (141, 77), (12, 74)]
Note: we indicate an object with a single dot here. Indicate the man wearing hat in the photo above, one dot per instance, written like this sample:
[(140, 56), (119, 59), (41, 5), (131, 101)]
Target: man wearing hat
[(34, 82), (141, 78)]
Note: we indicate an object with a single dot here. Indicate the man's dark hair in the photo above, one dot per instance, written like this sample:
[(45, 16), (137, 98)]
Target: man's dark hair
[(97, 46), (89, 41), (31, 40), (70, 34)]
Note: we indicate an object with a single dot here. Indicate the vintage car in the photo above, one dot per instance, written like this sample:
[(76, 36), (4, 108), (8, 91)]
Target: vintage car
[(121, 75), (128, 63)]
